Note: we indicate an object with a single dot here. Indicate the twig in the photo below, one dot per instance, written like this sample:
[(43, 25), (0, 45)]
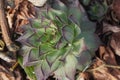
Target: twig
[(112, 66), (97, 68), (5, 28), (14, 66), (103, 65)]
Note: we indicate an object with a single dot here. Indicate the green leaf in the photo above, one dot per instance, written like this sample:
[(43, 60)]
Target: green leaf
[(70, 67), (46, 69), (30, 59), (36, 23), (57, 63), (75, 14), (39, 72), (29, 70), (68, 33), (87, 32), (60, 74), (78, 46), (59, 6), (45, 48), (54, 55), (61, 43), (84, 60), (42, 70)]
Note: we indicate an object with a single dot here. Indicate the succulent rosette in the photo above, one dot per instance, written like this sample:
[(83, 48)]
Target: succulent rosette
[(58, 42)]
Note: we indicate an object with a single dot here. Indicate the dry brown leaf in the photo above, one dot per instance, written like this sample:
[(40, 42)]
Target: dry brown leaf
[(108, 27), (84, 76), (107, 55), (116, 8), (115, 43), (105, 67), (113, 35), (10, 15), (101, 72), (5, 75), (25, 10), (19, 16)]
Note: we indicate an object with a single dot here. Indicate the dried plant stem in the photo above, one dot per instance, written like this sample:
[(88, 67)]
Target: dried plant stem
[(5, 28), (4, 24), (14, 66), (103, 65), (97, 68), (112, 66)]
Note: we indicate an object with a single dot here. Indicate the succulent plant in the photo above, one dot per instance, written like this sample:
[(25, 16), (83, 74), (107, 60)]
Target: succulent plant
[(59, 42), (96, 9)]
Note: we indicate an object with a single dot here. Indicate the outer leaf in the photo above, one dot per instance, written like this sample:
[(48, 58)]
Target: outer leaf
[(84, 60), (60, 74), (67, 72), (79, 46), (70, 67), (52, 14), (29, 70), (46, 69), (59, 5), (75, 16), (31, 57), (42, 70), (39, 72), (87, 32)]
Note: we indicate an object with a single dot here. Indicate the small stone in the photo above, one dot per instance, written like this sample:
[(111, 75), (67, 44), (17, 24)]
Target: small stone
[(38, 3)]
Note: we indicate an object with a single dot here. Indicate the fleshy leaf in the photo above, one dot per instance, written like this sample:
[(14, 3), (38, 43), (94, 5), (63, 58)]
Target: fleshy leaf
[(57, 63), (70, 67), (68, 33), (29, 70), (54, 55), (59, 5), (61, 43), (39, 72), (79, 46), (60, 74), (87, 32), (67, 72), (84, 60), (75, 15), (46, 69)]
